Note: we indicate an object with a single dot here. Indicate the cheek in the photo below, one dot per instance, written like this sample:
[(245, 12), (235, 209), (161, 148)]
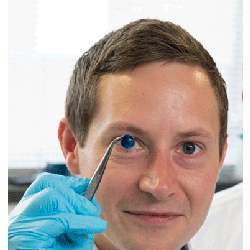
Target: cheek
[(199, 189), (118, 183), (204, 187), (200, 181), (89, 159)]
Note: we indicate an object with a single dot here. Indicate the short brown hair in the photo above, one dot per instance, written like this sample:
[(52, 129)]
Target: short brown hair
[(139, 42)]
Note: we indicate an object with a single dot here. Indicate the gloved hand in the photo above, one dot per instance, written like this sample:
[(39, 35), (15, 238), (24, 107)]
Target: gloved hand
[(53, 214)]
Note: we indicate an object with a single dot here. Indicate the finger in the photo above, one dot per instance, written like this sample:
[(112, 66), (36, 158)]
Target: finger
[(75, 198), (79, 203), (37, 240), (73, 223), (97, 205), (64, 223), (45, 180), (85, 241), (51, 201)]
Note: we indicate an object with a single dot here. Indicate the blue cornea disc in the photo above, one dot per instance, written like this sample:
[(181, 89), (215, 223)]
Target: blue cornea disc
[(127, 141)]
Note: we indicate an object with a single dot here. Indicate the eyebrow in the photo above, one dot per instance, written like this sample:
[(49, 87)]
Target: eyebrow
[(196, 132), (123, 126)]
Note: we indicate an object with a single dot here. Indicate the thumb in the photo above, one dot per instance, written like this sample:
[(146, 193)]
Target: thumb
[(56, 225)]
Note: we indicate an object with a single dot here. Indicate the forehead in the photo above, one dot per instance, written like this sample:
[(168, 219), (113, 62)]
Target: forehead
[(159, 92), (158, 75)]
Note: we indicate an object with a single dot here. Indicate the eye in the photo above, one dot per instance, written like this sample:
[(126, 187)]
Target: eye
[(128, 145), (128, 142), (190, 148), (129, 150)]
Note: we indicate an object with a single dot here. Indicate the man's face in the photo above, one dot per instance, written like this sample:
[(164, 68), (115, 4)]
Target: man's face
[(156, 194)]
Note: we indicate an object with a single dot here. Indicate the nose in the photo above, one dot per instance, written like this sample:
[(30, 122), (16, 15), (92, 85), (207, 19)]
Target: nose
[(160, 178)]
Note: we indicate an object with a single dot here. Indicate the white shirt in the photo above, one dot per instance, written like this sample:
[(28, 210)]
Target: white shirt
[(222, 228)]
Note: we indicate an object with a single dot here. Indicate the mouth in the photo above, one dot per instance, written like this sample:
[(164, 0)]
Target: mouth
[(154, 218)]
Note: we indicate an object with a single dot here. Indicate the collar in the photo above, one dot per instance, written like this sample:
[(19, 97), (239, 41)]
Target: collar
[(186, 247)]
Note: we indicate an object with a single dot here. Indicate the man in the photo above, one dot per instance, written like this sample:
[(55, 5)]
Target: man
[(154, 81)]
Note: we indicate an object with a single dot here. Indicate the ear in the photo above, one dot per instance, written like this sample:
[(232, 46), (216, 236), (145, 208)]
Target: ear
[(223, 154), (69, 146)]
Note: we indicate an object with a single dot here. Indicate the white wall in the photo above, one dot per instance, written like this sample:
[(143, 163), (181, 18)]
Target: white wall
[(46, 37)]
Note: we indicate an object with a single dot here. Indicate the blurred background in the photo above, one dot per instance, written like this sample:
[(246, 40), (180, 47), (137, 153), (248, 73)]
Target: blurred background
[(45, 40)]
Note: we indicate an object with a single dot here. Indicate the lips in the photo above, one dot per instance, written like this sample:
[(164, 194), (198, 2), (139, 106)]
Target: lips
[(148, 213), (153, 217)]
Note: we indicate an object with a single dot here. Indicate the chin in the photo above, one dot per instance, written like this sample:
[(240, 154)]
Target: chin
[(148, 245)]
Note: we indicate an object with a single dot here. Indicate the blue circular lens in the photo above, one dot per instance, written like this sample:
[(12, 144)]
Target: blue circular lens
[(128, 141)]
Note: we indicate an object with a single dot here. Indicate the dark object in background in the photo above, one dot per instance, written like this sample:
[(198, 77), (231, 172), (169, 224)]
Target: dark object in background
[(57, 168), (20, 179)]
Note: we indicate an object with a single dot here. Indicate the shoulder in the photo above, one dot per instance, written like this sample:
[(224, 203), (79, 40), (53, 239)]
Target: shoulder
[(225, 213)]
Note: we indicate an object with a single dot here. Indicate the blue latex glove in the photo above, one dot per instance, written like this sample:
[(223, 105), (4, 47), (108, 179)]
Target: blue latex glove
[(53, 214)]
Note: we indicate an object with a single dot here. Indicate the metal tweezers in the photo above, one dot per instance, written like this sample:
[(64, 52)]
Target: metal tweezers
[(97, 176)]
